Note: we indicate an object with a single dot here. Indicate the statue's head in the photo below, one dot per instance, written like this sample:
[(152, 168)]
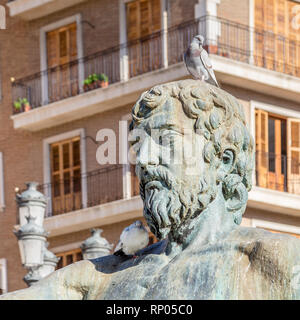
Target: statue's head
[(191, 142)]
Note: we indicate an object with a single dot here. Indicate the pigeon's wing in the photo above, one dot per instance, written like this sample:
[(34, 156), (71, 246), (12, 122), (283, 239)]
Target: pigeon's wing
[(191, 63), (208, 66), (119, 246)]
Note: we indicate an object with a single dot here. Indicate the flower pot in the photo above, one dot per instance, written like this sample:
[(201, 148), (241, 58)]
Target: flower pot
[(27, 107), (104, 84), (91, 86), (86, 87), (98, 82)]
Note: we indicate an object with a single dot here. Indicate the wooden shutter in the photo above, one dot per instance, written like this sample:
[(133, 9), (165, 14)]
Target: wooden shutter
[(143, 19), (133, 30), (135, 184), (277, 41), (66, 176), (68, 257), (61, 45), (61, 49), (52, 49), (259, 40), (261, 140), (293, 151)]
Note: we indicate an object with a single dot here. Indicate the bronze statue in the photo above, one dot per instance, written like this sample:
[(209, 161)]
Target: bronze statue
[(194, 159)]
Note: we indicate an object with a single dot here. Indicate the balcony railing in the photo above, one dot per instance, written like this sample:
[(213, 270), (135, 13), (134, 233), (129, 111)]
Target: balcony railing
[(159, 50), (278, 172), (87, 190)]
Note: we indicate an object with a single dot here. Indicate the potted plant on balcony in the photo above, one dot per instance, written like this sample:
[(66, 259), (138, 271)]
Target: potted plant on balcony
[(86, 84), (96, 81), (17, 106), (26, 105), (104, 80)]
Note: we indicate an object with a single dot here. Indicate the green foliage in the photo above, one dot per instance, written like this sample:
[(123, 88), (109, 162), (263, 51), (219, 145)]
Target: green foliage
[(17, 104), (20, 102), (95, 77), (103, 77)]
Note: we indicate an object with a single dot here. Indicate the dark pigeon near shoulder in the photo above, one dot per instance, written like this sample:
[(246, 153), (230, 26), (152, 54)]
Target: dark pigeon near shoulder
[(197, 62)]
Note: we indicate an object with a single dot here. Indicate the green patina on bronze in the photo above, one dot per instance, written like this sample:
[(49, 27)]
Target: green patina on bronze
[(195, 207)]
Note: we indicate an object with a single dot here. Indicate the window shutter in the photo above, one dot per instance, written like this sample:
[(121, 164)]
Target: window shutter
[(52, 49), (293, 152), (132, 21), (261, 140), (73, 41), (145, 18), (259, 39), (62, 45), (65, 170), (156, 15)]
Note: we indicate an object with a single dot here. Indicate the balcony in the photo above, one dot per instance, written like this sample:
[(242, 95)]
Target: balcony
[(135, 66), (86, 190), (278, 172), (34, 9), (277, 187)]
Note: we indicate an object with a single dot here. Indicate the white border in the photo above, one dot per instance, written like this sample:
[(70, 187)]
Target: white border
[(275, 226), (43, 50), (2, 195), (47, 165), (3, 273)]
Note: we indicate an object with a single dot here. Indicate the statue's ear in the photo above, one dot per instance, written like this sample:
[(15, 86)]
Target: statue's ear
[(227, 160)]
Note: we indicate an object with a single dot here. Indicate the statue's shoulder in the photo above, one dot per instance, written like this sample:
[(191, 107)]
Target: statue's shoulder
[(262, 243)]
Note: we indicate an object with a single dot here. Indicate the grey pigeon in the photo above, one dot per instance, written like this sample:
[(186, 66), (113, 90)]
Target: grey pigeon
[(132, 239), (197, 61)]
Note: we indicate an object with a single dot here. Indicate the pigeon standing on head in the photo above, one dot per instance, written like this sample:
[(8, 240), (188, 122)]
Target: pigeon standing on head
[(132, 239), (197, 61)]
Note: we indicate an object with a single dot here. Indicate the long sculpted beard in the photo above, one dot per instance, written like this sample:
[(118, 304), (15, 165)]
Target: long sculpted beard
[(169, 204)]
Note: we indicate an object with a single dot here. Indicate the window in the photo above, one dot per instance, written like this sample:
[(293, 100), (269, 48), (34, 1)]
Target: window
[(3, 276), (65, 176), (2, 202), (68, 257), (277, 152), (276, 42), (61, 49), (143, 19)]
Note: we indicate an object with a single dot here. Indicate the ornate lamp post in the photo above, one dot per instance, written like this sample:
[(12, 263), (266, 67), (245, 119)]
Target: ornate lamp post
[(31, 202), (95, 246), (35, 274), (31, 235), (31, 239)]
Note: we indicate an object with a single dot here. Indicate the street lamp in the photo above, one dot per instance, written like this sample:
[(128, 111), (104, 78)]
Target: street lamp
[(95, 246), (49, 264), (31, 203), (31, 239)]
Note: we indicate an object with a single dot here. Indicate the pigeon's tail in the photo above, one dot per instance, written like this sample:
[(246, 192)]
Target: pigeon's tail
[(119, 253)]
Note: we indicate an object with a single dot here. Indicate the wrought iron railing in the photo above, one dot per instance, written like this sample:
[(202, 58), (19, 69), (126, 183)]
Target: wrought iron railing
[(159, 50), (278, 172), (87, 190)]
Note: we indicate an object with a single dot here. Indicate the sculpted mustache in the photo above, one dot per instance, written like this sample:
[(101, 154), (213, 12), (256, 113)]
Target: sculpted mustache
[(161, 174)]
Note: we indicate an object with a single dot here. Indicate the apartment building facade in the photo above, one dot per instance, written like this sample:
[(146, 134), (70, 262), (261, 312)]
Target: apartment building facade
[(53, 106)]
